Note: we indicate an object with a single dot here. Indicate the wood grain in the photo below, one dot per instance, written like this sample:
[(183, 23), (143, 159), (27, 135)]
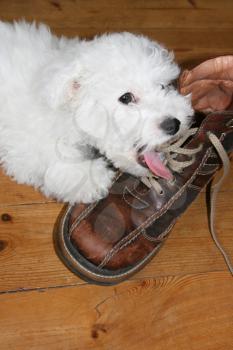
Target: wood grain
[(12, 193), (192, 311), (184, 298), (28, 259)]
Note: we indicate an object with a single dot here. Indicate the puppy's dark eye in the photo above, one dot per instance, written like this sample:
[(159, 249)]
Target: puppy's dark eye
[(162, 86), (174, 84), (127, 98)]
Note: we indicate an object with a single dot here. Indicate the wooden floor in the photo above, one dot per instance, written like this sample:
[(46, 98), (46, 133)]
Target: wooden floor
[(183, 300)]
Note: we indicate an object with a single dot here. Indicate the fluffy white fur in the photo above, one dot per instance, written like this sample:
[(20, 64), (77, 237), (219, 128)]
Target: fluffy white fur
[(59, 98)]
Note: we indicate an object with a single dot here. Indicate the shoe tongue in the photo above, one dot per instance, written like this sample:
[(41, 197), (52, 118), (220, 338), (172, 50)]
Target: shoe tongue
[(156, 166)]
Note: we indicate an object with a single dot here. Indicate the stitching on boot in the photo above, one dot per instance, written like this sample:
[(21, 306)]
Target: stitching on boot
[(209, 172), (155, 216), (86, 211), (82, 215), (195, 187), (135, 196), (109, 257), (161, 236)]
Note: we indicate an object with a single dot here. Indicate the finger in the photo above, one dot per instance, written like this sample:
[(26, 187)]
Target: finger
[(216, 68), (201, 87), (227, 85), (183, 78), (209, 94), (214, 101)]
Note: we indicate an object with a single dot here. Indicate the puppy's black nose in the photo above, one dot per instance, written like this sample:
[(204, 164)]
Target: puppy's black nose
[(170, 126)]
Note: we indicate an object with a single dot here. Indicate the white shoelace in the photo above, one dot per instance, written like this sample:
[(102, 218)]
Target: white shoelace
[(171, 152)]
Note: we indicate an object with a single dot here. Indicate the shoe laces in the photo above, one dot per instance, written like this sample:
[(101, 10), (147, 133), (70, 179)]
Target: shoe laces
[(171, 151)]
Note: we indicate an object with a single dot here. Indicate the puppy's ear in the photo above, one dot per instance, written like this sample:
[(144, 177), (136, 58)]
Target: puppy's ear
[(58, 83)]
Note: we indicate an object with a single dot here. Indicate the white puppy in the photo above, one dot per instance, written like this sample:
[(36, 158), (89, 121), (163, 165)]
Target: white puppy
[(62, 100)]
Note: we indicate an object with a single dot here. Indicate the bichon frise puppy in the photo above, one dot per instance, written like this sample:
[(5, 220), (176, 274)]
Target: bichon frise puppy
[(70, 107)]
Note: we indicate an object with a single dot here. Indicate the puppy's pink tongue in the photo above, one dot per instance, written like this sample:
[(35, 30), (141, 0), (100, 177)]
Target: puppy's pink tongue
[(156, 165)]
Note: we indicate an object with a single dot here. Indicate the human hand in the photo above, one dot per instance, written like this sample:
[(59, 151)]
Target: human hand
[(210, 83)]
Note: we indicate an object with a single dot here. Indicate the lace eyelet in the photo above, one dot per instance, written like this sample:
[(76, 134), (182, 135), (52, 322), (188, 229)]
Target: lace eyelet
[(229, 124), (161, 193), (172, 181), (224, 134)]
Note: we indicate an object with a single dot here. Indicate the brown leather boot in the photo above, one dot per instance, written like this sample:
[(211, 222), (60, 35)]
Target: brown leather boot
[(110, 240)]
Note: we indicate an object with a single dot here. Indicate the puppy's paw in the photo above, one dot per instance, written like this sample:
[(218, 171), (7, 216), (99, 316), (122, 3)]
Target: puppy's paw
[(99, 180), (83, 182)]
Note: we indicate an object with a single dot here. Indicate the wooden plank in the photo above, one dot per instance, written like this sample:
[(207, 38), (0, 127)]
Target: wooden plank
[(20, 5), (28, 259), (186, 312), (12, 193), (186, 43), (89, 14), (26, 6)]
